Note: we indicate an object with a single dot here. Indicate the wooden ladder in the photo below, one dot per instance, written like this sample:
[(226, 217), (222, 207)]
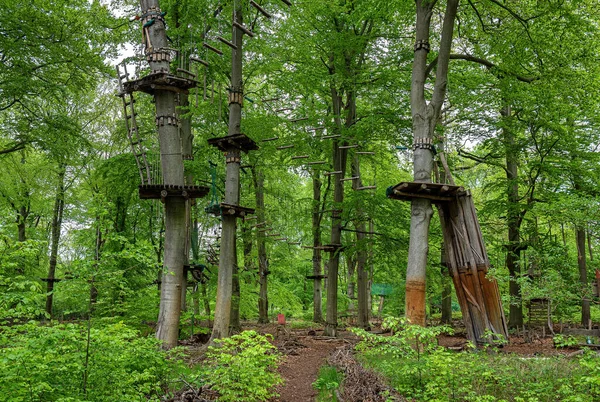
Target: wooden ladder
[(133, 132)]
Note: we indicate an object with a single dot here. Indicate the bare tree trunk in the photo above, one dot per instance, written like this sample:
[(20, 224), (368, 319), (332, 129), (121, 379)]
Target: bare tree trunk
[(350, 286), (585, 301), (228, 258), (57, 217), (171, 160), (513, 252), (316, 257), (339, 164), (371, 271), (97, 255), (361, 254), (258, 179), (425, 117), (589, 243)]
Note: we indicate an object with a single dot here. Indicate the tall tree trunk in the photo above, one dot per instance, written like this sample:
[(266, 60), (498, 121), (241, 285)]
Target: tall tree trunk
[(589, 243), (57, 217), (258, 179), (97, 254), (21, 224), (425, 117), (187, 150), (585, 301), (371, 268), (350, 285), (171, 160), (361, 254), (316, 257), (339, 164), (513, 252), (228, 258)]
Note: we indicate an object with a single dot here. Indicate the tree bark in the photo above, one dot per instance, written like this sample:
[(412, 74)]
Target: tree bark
[(350, 285), (362, 276), (316, 257), (589, 243), (171, 160), (371, 268), (57, 217), (258, 179), (581, 262), (425, 116), (513, 252), (228, 258), (339, 164)]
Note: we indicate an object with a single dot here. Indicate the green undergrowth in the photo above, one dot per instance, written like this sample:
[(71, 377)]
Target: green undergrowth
[(420, 369), (241, 368), (328, 381), (54, 363)]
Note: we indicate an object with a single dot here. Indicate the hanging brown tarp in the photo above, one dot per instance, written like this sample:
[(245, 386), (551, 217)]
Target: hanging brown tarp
[(466, 256)]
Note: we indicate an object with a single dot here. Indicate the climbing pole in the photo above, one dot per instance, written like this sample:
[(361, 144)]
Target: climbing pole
[(133, 132)]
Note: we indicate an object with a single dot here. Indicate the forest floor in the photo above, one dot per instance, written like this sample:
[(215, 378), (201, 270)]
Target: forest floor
[(306, 350)]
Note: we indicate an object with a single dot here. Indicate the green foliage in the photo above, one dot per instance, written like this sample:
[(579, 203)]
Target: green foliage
[(420, 369), (327, 383), (564, 341), (21, 297), (47, 363), (243, 368)]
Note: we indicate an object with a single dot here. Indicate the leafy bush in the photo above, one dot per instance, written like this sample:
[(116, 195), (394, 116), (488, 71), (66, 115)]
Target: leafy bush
[(564, 341), (420, 369), (328, 381), (48, 363), (243, 368)]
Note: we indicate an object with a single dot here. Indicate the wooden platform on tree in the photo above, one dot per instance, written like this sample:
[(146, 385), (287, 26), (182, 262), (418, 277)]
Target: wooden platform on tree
[(159, 81), (160, 191), (236, 141), (329, 247), (319, 277), (235, 210), (436, 192)]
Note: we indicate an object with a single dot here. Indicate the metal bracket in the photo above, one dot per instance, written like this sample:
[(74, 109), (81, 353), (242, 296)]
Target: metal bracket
[(422, 44)]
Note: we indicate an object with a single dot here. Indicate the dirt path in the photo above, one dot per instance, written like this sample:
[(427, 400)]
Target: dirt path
[(300, 371)]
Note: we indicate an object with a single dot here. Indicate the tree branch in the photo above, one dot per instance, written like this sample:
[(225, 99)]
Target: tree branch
[(16, 147), (479, 159), (483, 62)]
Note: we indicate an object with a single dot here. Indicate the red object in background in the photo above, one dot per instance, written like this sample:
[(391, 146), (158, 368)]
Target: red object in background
[(281, 319), (598, 274)]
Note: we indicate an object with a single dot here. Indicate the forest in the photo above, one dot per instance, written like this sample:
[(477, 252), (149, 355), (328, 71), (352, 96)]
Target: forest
[(299, 200)]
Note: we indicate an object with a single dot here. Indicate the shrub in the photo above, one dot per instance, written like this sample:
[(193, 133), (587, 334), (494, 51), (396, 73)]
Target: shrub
[(419, 369), (243, 368), (47, 363), (328, 381)]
